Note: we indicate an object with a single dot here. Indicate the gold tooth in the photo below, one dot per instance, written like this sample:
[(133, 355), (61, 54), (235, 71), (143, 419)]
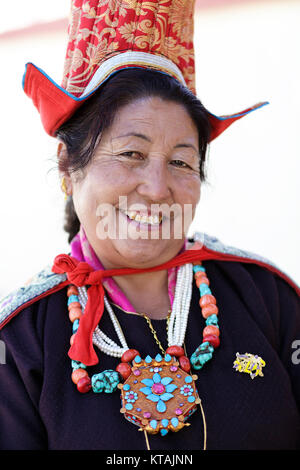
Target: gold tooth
[(144, 219), (131, 215)]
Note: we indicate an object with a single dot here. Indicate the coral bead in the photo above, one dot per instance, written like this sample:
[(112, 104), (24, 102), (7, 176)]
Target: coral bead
[(211, 330), (129, 355), (199, 274), (176, 351), (210, 309), (72, 339), (124, 370), (206, 300), (78, 374), (72, 290), (74, 305), (84, 385), (202, 280), (212, 339), (185, 363), (74, 314)]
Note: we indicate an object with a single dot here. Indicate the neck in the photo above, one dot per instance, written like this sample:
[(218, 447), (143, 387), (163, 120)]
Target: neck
[(147, 292)]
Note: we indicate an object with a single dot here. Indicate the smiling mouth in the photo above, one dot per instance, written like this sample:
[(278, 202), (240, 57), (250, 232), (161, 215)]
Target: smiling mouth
[(154, 220)]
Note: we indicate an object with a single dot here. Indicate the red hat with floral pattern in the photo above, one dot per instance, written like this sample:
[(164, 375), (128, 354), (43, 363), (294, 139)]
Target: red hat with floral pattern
[(106, 36)]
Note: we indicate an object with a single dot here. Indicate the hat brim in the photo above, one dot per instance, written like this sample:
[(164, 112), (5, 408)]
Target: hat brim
[(56, 105)]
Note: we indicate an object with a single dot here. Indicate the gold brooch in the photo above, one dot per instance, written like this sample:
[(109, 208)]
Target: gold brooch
[(250, 364)]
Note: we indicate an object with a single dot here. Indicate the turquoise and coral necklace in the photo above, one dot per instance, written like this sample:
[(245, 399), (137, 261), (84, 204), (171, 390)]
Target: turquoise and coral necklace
[(157, 394)]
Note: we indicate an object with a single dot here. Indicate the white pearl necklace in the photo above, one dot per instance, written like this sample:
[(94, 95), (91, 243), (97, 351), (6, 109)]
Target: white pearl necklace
[(181, 305), (178, 317), (100, 339)]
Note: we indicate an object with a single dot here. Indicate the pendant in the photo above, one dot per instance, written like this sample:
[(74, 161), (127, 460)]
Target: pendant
[(158, 396)]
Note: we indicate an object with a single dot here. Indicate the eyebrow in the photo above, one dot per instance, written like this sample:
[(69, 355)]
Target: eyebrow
[(142, 136), (186, 146)]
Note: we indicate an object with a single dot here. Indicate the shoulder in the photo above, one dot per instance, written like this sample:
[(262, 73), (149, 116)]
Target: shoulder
[(259, 266), (39, 286), (244, 280)]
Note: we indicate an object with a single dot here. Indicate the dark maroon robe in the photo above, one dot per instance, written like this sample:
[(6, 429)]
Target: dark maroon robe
[(259, 313)]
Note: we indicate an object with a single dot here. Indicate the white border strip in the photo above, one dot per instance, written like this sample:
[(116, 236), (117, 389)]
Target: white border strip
[(132, 57)]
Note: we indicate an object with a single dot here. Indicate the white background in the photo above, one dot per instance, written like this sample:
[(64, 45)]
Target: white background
[(245, 53)]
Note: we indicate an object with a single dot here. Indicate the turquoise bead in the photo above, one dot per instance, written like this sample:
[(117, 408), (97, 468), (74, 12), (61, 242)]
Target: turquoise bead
[(174, 422), (97, 382), (78, 365), (147, 382), (191, 399), (204, 289), (202, 355), (212, 320), (126, 387), (75, 325), (107, 381), (164, 422), (111, 381), (153, 424), (128, 406), (158, 358), (137, 359), (148, 359), (161, 407), (197, 268), (188, 379), (72, 298), (163, 432), (168, 358)]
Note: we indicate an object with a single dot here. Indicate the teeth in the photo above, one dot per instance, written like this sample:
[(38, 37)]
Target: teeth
[(143, 219), (131, 214)]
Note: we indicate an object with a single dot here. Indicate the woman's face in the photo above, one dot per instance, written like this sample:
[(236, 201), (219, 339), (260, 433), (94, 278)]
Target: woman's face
[(137, 196)]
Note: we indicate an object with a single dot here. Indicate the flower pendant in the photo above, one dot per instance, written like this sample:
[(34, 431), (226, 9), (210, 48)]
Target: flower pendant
[(158, 396)]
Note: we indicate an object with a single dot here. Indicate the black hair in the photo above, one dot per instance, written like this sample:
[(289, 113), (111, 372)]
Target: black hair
[(82, 132)]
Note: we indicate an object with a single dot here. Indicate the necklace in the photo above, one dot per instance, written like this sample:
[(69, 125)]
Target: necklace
[(157, 394), (154, 332)]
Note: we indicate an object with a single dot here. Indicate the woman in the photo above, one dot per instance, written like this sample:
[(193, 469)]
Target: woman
[(224, 379)]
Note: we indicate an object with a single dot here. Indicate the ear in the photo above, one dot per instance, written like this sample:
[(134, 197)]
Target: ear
[(64, 175)]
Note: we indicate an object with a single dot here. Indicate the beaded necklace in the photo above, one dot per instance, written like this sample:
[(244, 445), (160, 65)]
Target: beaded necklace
[(157, 394)]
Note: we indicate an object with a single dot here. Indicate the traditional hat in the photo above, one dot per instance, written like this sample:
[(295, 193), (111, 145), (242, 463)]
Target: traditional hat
[(106, 36)]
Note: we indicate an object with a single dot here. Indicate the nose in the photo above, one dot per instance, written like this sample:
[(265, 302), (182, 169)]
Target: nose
[(155, 184)]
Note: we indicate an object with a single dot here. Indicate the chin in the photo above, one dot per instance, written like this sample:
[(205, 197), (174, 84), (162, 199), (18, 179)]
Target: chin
[(146, 253)]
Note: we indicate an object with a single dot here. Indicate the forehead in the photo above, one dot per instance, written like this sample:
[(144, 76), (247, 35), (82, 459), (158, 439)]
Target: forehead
[(154, 116)]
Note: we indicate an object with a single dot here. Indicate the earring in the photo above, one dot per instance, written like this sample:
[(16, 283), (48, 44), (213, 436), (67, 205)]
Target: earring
[(64, 187)]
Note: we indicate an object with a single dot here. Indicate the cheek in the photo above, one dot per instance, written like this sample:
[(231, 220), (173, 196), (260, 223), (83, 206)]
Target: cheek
[(187, 197), (100, 186), (107, 180), (189, 190), (84, 206), (194, 197), (85, 195)]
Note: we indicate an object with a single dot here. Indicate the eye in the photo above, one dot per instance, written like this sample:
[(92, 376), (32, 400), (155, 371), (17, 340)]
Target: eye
[(130, 154), (180, 163)]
